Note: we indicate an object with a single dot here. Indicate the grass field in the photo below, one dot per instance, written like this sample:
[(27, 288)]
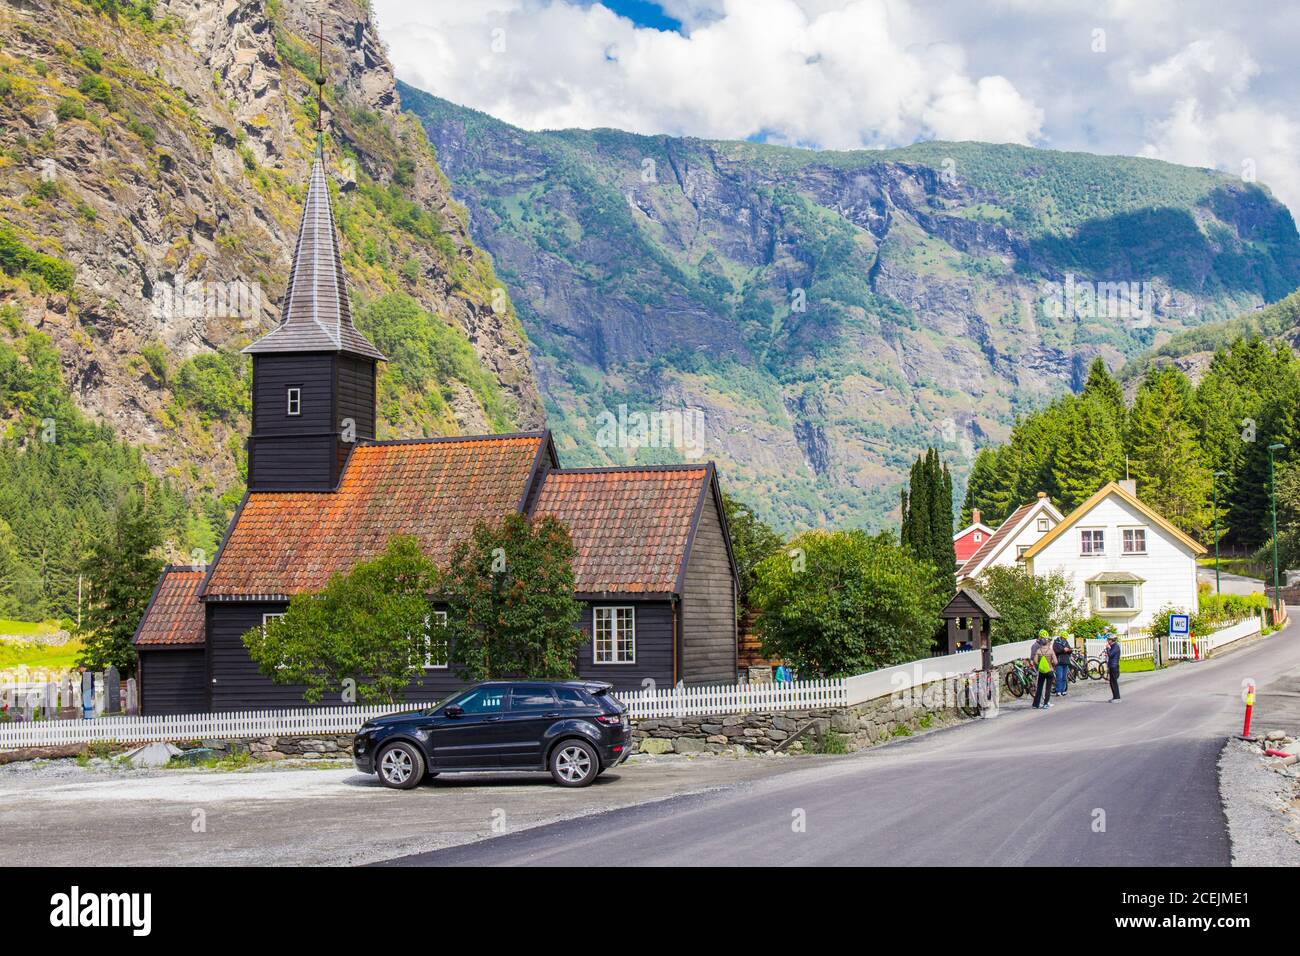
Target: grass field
[(1131, 667), (24, 654), (1243, 566), (20, 629)]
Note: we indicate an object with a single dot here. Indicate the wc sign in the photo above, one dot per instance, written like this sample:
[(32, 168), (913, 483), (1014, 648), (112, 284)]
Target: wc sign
[(1179, 625)]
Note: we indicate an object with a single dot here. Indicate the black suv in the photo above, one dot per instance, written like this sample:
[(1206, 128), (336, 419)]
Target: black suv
[(574, 729)]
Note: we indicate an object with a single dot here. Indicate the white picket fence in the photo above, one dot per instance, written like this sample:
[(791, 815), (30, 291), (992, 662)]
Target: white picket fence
[(734, 698), (302, 722)]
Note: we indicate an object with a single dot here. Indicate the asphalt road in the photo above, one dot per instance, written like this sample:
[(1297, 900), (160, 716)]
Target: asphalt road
[(1230, 583), (1087, 783)]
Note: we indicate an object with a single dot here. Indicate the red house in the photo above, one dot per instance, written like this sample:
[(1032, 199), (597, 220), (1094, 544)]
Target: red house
[(969, 539)]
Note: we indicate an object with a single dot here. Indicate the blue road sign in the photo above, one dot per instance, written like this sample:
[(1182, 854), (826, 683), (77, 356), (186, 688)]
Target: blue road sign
[(1179, 624)]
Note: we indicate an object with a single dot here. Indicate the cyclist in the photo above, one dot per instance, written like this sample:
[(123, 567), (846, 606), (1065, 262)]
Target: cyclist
[(1043, 659)]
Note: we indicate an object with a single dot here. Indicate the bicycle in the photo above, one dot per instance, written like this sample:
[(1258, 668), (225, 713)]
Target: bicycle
[(1097, 669), (1078, 669), (1021, 677)]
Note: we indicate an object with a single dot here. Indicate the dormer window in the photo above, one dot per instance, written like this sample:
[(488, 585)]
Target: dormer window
[(294, 400), (1044, 524), (978, 537)]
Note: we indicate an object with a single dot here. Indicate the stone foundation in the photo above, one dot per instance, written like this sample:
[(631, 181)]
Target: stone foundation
[(332, 747)]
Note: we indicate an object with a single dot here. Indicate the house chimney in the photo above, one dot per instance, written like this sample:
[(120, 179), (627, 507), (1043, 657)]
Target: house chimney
[(974, 516), (1130, 485)]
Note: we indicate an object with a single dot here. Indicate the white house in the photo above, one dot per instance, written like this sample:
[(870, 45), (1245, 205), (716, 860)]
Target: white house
[(1013, 538), (1127, 562)]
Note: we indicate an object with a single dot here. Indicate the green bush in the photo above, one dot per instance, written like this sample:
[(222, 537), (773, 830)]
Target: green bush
[(1224, 608), (16, 259), (213, 384), (1089, 628), (93, 59), (1160, 624), (6, 85), (95, 87), (69, 109)]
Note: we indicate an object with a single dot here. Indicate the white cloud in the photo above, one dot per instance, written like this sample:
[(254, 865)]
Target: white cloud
[(1190, 81), (845, 75)]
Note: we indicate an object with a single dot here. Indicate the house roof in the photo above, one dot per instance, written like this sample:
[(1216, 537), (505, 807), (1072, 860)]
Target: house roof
[(1006, 531), (632, 527), (174, 615), (316, 315), (977, 526), (1114, 488), (285, 543), (965, 599)]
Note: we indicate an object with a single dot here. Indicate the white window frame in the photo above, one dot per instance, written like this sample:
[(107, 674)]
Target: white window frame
[(613, 610), (1099, 552), (978, 537), (1123, 545), (441, 618), (273, 616), (1044, 524), (293, 400), (1020, 550), (1097, 599)]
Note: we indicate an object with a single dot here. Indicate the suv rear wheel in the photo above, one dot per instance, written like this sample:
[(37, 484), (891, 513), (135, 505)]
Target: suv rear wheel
[(401, 766), (574, 763)]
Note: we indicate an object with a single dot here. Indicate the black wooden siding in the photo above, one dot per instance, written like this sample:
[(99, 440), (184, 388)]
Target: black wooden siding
[(273, 375), (172, 682), (356, 394), (654, 647), (708, 608)]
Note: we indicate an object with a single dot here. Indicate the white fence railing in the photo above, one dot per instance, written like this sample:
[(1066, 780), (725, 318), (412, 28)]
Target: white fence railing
[(902, 677), (734, 698), (303, 722)]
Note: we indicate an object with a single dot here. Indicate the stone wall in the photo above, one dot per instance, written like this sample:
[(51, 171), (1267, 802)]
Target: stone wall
[(281, 748)]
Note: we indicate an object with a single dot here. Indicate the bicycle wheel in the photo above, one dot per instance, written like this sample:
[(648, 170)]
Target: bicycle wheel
[(1096, 670), (1015, 684), (1072, 674)]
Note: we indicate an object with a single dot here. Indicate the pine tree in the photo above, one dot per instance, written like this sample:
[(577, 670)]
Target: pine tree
[(1101, 385), (121, 573), (1164, 456), (1089, 451)]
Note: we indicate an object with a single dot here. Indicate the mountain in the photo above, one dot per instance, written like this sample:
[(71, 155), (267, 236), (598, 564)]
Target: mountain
[(1192, 351), (830, 314), (154, 158)]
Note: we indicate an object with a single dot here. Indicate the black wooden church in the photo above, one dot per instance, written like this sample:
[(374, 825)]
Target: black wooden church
[(654, 563)]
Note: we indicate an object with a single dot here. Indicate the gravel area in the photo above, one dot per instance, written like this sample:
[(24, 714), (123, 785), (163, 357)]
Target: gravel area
[(1262, 806)]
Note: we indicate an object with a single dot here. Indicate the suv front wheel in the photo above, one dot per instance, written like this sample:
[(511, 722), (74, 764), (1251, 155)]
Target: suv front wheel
[(574, 763), (401, 766)]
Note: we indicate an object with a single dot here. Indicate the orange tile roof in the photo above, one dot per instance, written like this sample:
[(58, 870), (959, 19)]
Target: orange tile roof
[(285, 543), (175, 614), (630, 526)]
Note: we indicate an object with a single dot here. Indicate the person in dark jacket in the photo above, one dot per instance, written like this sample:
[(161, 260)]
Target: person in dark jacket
[(1112, 666), (1063, 649)]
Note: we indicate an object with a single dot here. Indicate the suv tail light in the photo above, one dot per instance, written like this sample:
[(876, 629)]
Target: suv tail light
[(613, 720)]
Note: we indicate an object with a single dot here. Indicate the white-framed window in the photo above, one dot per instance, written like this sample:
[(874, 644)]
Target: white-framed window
[(1092, 541), (272, 617), (1044, 524), (435, 643), (1020, 551), (294, 400), (1135, 540), (1123, 598), (978, 537), (613, 635)]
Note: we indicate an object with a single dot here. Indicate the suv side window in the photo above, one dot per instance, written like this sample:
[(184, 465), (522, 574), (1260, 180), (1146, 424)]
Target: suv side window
[(484, 700), (573, 697), (528, 697)]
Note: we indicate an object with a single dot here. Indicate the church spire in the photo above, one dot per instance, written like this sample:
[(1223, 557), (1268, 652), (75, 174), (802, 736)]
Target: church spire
[(317, 316)]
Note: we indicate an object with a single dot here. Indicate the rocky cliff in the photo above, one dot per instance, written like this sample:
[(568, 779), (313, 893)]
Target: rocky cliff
[(154, 157), (831, 314)]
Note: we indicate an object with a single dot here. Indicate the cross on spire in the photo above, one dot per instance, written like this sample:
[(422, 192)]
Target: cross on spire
[(320, 83)]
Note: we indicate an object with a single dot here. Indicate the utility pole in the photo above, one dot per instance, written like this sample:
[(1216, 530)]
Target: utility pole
[(1272, 491), (1214, 490)]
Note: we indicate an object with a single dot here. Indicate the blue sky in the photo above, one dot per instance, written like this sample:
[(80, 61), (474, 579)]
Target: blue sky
[(1197, 82)]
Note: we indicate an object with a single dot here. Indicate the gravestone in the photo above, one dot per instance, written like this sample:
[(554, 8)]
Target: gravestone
[(87, 694), (70, 705), (132, 699), (112, 691)]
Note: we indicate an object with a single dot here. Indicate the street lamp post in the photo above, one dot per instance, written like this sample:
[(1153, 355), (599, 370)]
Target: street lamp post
[(1214, 490), (1272, 491)]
